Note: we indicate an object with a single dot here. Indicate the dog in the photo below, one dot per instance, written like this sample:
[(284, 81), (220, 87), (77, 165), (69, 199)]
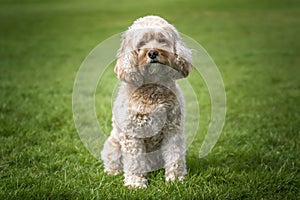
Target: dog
[(149, 110)]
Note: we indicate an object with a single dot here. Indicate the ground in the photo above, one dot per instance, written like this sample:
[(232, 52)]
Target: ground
[(255, 45)]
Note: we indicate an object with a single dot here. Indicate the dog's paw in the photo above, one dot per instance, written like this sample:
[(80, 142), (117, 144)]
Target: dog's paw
[(171, 177), (112, 171), (135, 181)]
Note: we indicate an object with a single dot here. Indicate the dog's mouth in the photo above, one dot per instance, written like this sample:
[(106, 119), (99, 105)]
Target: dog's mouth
[(155, 61)]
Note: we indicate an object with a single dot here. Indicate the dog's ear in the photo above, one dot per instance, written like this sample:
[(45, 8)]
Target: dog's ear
[(119, 71), (183, 57), (126, 58)]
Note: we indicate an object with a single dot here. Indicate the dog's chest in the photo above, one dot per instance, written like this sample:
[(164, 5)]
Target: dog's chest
[(149, 97), (149, 108)]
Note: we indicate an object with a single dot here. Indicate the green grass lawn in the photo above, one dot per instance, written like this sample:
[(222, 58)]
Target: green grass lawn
[(254, 43)]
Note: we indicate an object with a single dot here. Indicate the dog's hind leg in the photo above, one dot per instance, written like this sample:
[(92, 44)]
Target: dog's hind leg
[(112, 156)]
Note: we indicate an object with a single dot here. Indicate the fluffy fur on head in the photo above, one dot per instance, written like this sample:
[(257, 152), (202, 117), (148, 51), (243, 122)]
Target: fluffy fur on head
[(151, 33), (149, 110)]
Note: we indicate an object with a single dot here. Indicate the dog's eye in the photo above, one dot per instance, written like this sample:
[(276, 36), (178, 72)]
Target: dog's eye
[(162, 41), (142, 43)]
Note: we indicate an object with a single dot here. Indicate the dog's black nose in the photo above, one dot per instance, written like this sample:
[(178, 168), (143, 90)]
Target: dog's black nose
[(152, 54)]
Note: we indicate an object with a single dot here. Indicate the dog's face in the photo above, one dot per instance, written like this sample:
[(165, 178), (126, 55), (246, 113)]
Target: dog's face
[(154, 46), (159, 47)]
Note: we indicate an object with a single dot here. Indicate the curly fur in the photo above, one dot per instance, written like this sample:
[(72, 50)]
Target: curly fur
[(148, 113)]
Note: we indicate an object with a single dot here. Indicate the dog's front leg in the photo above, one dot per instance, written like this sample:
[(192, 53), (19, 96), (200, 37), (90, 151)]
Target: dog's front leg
[(174, 156), (135, 163)]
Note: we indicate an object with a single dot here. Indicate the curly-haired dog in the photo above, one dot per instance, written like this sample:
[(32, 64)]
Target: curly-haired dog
[(148, 113)]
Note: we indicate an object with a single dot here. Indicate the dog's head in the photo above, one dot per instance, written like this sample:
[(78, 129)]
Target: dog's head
[(151, 44)]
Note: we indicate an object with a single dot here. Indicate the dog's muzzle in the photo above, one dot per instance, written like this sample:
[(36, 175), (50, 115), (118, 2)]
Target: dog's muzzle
[(152, 54)]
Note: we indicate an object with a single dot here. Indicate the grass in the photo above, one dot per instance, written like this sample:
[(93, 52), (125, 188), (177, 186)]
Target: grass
[(255, 45)]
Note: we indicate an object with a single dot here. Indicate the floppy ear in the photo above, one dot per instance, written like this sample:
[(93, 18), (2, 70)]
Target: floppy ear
[(126, 58), (183, 57)]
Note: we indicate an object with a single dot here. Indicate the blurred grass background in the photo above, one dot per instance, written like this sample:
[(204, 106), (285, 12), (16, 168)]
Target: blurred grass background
[(254, 43)]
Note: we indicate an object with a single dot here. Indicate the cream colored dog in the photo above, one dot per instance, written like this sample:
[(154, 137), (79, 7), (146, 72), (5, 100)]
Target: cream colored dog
[(148, 113)]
